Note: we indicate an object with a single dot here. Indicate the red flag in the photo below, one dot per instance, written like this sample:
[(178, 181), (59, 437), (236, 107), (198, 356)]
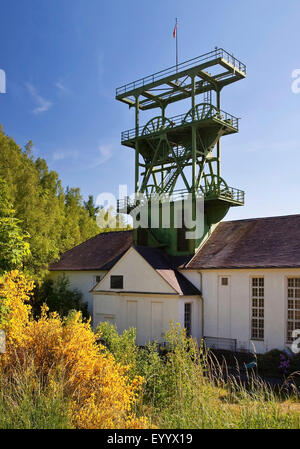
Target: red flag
[(175, 30)]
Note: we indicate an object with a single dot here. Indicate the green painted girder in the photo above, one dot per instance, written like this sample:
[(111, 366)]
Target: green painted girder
[(162, 155), (228, 197), (174, 125), (186, 147), (172, 84)]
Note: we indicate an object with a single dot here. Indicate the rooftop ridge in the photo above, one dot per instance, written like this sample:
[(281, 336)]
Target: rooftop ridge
[(94, 237), (260, 218)]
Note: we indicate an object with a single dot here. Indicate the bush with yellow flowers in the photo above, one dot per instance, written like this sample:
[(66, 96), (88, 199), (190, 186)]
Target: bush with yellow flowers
[(98, 389)]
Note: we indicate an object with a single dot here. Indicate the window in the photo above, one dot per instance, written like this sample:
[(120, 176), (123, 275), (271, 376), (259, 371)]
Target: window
[(224, 281), (293, 307), (116, 282), (188, 318), (97, 279), (258, 304)]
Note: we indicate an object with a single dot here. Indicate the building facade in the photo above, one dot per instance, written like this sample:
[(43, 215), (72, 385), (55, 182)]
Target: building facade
[(240, 291)]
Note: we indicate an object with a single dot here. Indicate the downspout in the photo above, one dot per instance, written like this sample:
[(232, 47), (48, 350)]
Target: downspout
[(202, 306)]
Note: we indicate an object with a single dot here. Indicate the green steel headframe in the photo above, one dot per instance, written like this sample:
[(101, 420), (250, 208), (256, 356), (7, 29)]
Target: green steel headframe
[(166, 146)]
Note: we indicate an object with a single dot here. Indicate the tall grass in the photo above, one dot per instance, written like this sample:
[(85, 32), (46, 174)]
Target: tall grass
[(28, 402), (185, 386), (188, 388)]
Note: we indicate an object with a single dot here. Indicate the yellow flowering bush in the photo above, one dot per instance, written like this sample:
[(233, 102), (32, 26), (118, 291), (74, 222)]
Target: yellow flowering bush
[(15, 292), (98, 388)]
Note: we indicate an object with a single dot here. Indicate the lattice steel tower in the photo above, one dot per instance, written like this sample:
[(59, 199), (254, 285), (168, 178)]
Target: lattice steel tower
[(184, 149)]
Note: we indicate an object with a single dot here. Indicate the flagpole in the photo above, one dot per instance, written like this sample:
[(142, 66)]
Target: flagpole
[(176, 25)]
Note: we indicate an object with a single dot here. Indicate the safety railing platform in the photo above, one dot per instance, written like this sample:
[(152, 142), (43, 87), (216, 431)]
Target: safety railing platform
[(177, 121), (219, 54), (230, 194)]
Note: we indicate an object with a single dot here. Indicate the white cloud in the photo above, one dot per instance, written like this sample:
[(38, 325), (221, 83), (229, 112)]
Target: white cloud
[(60, 155), (42, 104), (62, 87), (106, 152)]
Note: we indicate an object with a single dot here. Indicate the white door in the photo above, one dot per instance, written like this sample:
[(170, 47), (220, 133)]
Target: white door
[(100, 317), (131, 314), (224, 307)]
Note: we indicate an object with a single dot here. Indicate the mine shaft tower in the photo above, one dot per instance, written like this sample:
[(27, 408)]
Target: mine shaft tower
[(186, 148)]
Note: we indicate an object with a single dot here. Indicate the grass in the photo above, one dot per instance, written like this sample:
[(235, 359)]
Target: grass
[(189, 388), (27, 403), (185, 387)]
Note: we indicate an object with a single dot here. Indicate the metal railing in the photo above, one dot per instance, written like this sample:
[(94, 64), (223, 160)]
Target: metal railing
[(128, 203), (230, 193), (218, 53), (183, 119), (229, 344)]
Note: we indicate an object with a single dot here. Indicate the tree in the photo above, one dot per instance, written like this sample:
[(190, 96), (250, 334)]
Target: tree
[(13, 245), (91, 207), (59, 297), (108, 220), (53, 220)]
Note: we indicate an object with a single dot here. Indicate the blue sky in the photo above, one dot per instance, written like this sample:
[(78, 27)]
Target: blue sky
[(64, 58)]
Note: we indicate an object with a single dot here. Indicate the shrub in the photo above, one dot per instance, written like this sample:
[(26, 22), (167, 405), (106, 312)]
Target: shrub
[(98, 389), (15, 292), (295, 363), (143, 361), (59, 297), (188, 387)]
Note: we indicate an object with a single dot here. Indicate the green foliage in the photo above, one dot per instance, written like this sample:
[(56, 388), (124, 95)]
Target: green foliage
[(54, 220), (27, 403), (108, 220), (268, 363), (186, 388), (122, 346), (145, 361), (295, 363), (91, 208), (13, 245), (59, 297)]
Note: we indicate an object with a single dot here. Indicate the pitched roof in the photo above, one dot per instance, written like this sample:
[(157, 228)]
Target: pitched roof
[(104, 250), (163, 265), (98, 253), (272, 242)]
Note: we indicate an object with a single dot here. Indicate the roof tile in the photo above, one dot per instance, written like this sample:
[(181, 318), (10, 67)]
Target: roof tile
[(272, 242), (98, 253)]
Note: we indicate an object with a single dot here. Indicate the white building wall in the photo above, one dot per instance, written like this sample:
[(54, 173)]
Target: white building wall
[(194, 277), (226, 310), (118, 309), (197, 318), (236, 322), (138, 275)]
